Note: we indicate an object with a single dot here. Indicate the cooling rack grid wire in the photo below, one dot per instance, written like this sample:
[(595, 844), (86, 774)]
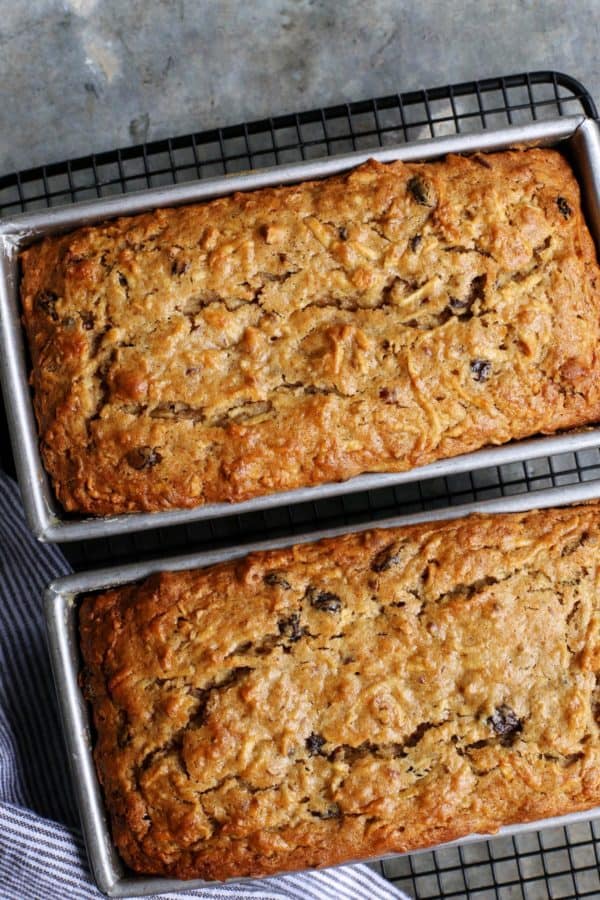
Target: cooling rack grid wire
[(558, 862)]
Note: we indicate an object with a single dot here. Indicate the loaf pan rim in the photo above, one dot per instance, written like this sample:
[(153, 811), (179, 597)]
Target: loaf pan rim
[(44, 516)]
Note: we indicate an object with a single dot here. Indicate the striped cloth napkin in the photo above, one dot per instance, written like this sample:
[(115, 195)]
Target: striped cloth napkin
[(42, 856)]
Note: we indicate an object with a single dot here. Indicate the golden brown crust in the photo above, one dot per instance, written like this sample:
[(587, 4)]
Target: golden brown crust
[(261, 342), (368, 694)]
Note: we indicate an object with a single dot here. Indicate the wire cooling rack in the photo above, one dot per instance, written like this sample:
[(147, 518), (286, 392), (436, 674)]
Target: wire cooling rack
[(560, 862), (556, 862)]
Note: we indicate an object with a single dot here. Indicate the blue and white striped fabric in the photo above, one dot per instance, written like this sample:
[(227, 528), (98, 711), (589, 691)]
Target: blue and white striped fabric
[(42, 856)]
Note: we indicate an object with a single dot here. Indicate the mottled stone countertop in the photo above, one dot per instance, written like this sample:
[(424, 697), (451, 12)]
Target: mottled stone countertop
[(86, 75)]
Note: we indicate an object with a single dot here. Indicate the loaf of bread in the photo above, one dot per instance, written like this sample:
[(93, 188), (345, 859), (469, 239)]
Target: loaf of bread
[(373, 693), (287, 337)]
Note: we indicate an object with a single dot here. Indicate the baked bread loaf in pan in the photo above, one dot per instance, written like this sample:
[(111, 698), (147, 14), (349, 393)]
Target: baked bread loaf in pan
[(371, 693), (370, 322)]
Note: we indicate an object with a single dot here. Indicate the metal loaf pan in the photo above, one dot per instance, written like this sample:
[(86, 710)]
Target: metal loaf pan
[(61, 604), (579, 135)]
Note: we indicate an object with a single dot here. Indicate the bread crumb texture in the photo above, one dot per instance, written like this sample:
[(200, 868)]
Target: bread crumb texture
[(372, 693), (293, 336)]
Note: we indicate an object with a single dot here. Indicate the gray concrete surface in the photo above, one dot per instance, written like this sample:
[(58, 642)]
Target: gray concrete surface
[(84, 75)]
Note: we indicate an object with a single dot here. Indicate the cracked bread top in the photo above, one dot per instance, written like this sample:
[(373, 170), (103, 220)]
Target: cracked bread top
[(372, 693), (287, 337)]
